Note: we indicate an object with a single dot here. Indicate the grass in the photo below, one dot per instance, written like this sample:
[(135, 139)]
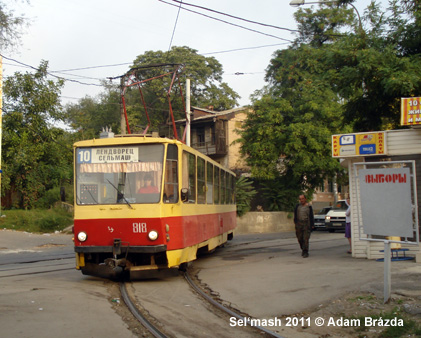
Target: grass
[(36, 220), (410, 327)]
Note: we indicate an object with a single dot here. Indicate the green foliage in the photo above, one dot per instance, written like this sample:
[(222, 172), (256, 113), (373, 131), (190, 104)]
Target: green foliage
[(289, 132), (90, 115), (207, 88), (54, 221), (281, 193), (52, 196), (244, 193), (409, 328), (371, 66), (342, 74), (10, 27), (36, 156), (36, 220)]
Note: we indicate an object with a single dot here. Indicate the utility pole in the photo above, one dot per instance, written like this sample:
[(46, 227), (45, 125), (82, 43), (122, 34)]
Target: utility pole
[(122, 117), (188, 137), (1, 117)]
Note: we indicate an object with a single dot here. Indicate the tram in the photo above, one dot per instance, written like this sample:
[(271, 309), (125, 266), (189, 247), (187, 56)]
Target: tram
[(144, 205)]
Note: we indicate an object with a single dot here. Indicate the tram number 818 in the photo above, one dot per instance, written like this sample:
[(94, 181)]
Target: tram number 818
[(139, 228)]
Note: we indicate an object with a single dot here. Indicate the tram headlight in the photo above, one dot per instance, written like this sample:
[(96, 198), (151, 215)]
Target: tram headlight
[(153, 235), (82, 236)]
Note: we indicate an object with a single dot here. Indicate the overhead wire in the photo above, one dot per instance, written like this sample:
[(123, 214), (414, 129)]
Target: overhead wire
[(226, 22), (235, 17), (244, 48), (175, 25), (180, 3), (49, 73), (53, 72), (92, 67), (24, 65)]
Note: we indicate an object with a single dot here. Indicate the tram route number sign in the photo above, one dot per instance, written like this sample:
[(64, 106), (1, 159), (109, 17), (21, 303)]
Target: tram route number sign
[(410, 111), (107, 155)]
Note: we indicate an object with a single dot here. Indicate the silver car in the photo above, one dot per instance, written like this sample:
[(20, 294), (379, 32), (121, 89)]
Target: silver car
[(319, 219)]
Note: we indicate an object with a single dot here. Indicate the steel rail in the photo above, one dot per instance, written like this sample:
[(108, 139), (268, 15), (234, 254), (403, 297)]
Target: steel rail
[(135, 311), (225, 309)]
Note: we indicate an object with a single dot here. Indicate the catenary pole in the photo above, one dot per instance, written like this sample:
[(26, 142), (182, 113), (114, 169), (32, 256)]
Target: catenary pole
[(188, 137), (1, 115)]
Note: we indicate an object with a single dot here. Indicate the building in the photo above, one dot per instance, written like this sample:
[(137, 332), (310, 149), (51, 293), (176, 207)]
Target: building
[(214, 134), (395, 146)]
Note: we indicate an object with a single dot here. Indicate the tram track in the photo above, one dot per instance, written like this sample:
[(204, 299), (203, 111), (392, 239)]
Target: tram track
[(35, 266), (137, 313), (147, 317), (150, 307), (227, 310)]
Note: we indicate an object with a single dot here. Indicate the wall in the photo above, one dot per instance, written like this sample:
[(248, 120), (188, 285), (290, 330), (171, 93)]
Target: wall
[(235, 159), (265, 222)]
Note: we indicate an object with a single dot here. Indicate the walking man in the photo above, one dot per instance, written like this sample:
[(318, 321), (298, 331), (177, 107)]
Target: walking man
[(304, 223)]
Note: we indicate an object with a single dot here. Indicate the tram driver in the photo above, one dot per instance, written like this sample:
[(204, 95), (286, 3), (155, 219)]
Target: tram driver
[(148, 187)]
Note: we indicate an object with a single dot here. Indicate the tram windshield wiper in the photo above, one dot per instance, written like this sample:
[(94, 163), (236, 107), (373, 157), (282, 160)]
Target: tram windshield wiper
[(120, 195)]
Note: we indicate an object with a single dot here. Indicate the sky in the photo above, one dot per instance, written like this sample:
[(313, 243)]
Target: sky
[(92, 40)]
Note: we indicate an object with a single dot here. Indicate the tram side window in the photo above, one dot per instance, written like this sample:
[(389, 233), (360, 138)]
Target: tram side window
[(233, 189), (216, 183), (229, 189), (223, 187), (189, 175), (209, 183), (201, 181), (171, 175)]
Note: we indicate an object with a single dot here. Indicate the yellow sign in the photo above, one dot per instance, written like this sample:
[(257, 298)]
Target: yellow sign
[(359, 144), (410, 111)]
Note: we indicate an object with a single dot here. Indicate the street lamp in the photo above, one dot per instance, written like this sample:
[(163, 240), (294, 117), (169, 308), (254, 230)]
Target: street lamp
[(296, 3)]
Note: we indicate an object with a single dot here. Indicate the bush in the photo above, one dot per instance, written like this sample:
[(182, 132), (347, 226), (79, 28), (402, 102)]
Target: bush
[(52, 221), (55, 195), (281, 194), (36, 220), (50, 197), (244, 193)]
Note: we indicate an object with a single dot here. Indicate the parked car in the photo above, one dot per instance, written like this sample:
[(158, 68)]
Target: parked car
[(335, 218), (319, 219)]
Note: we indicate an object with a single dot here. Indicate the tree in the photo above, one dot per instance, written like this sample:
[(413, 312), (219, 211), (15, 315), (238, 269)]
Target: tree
[(289, 131), (10, 26), (90, 115), (340, 75), (36, 156), (207, 88), (374, 64)]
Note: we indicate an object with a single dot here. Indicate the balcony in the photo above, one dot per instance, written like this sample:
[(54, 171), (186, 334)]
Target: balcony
[(218, 148)]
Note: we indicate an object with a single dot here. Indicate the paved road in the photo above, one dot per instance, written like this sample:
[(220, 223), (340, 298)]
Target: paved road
[(264, 275)]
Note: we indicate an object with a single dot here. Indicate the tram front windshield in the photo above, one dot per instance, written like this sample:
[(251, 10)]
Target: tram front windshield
[(119, 174)]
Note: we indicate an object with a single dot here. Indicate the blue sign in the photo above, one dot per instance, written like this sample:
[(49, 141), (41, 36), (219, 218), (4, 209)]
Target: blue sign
[(84, 155), (347, 140), (367, 149)]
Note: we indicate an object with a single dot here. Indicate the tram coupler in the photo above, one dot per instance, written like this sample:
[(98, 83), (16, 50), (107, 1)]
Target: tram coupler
[(114, 262)]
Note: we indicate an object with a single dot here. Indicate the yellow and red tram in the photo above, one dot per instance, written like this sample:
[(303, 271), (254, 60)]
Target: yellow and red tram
[(145, 204)]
